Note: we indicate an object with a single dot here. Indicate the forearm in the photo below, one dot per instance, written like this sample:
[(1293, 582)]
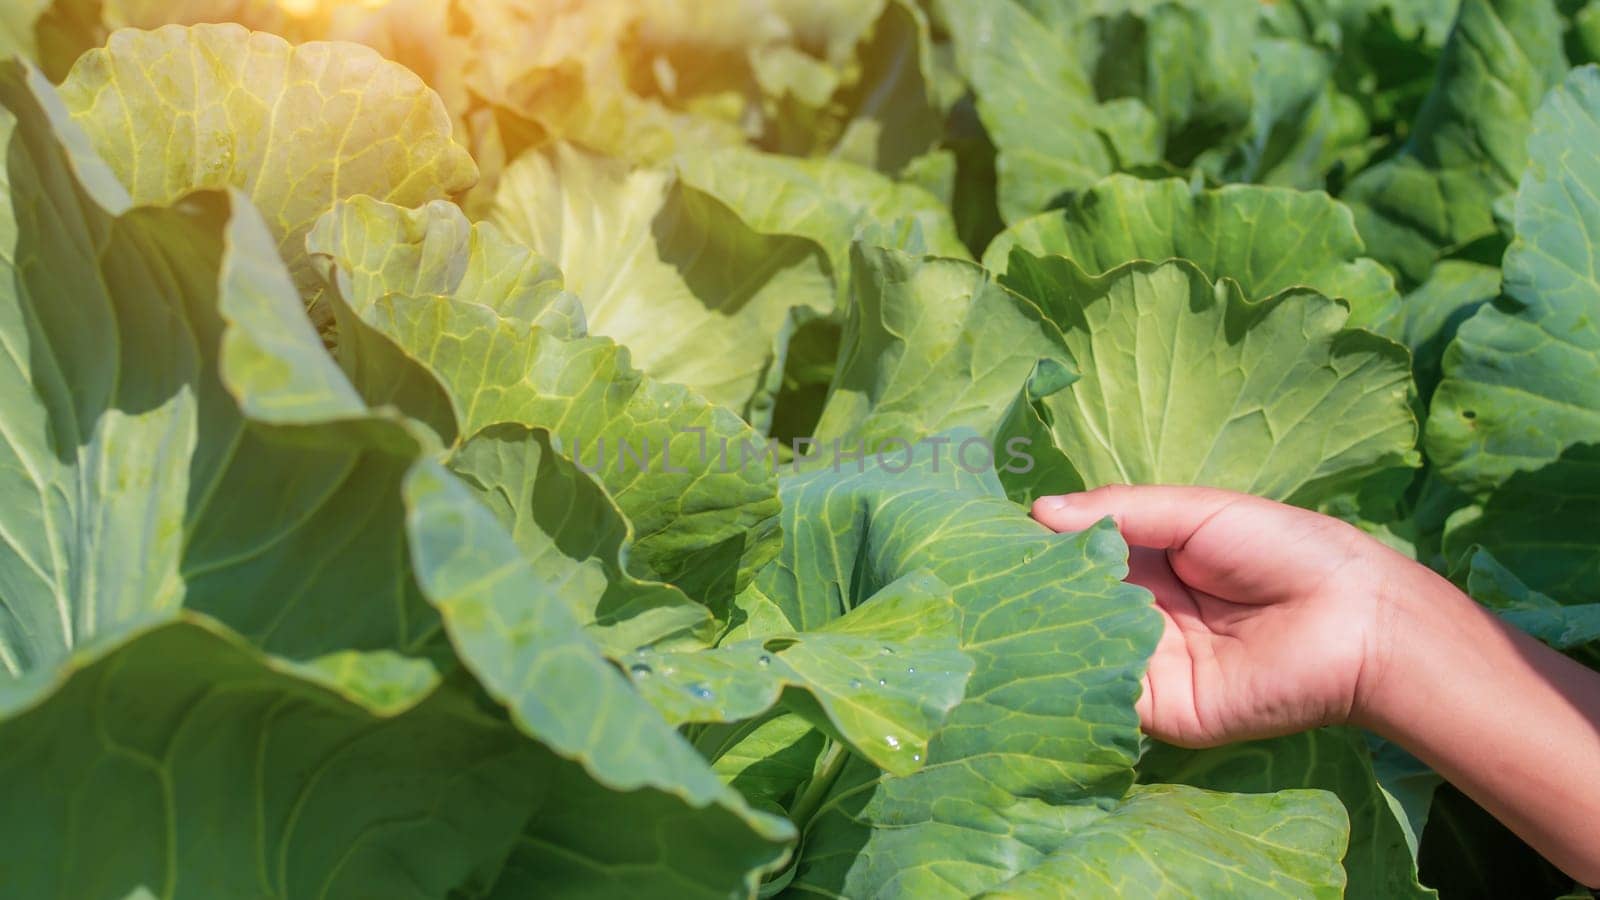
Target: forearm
[(1512, 723)]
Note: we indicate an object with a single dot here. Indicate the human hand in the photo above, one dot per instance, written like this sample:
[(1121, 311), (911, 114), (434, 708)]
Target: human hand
[(1278, 620), (1273, 613)]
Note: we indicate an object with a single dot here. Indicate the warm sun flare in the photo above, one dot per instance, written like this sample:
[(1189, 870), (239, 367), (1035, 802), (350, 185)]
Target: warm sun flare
[(307, 8)]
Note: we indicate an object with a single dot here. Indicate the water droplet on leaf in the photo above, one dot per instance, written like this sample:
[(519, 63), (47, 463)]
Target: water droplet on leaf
[(640, 670), (855, 684), (701, 692), (892, 741)]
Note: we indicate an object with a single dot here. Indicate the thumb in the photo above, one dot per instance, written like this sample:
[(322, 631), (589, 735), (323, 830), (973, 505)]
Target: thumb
[(1154, 516)]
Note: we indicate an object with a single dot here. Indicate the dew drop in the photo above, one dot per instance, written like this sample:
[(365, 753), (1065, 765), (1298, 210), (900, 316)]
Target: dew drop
[(911, 670), (764, 660), (887, 651), (855, 684), (883, 682), (916, 757), (640, 670), (701, 692), (892, 741)]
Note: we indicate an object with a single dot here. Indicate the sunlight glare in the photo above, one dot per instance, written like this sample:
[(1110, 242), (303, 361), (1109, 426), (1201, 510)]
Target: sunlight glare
[(307, 8)]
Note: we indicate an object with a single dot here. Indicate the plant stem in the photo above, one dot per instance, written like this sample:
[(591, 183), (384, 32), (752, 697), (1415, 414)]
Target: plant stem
[(810, 800)]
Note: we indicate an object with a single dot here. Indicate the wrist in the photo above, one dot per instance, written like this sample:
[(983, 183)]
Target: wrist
[(1418, 617)]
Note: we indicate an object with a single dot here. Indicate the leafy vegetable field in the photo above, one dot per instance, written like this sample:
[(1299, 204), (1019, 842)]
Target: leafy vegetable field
[(575, 448)]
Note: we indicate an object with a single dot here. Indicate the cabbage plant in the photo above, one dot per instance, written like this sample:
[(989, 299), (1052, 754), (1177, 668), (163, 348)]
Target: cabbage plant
[(540, 448)]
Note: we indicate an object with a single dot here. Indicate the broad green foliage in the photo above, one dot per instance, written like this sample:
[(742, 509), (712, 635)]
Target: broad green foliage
[(1514, 422), (212, 107), (51, 33), (231, 316), (703, 526), (883, 676), (720, 255), (16, 27), (881, 110), (405, 411), (1266, 239), (1025, 71), (90, 452), (1338, 83), (645, 81), (371, 250), (558, 515), (191, 733), (1409, 786), (1572, 626), (1376, 862), (1468, 144), (1187, 63), (588, 841), (1565, 627), (511, 620), (508, 349), (1187, 843), (1187, 382), (825, 201), (667, 270), (1159, 340), (1282, 93), (1541, 525), (1183, 381), (1033, 776), (931, 344), (138, 484), (1492, 417), (1436, 310)]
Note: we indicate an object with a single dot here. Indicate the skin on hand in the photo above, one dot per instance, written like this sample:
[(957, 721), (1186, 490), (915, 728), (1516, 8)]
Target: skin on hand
[(1279, 619), (1272, 613)]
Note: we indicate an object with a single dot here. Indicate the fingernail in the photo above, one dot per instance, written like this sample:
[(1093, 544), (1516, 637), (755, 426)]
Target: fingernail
[(1050, 504)]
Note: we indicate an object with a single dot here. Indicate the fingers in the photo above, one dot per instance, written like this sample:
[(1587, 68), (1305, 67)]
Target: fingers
[(1163, 518), (1167, 705), (1152, 570), (1145, 706), (1237, 547)]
